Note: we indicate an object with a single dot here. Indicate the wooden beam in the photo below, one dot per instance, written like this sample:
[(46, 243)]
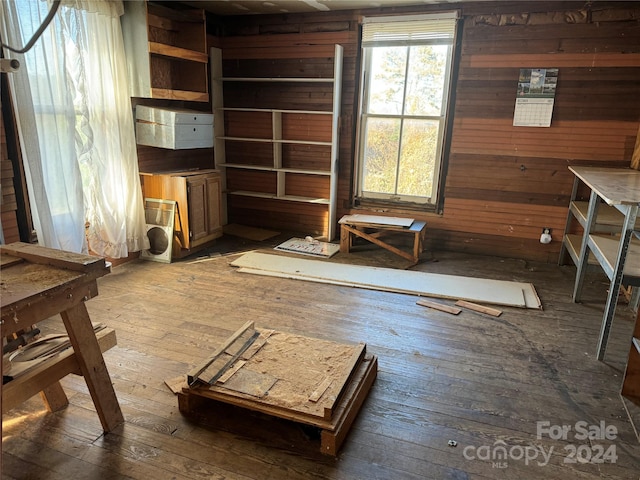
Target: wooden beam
[(635, 157), (57, 258), (192, 376), (439, 306), (479, 308)]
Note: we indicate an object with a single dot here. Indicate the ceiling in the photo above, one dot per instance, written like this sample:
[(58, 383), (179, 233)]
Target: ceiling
[(248, 7)]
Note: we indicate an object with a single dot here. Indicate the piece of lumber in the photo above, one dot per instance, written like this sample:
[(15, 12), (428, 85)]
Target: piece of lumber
[(257, 345), (176, 384), (344, 378), (192, 376), (331, 439), (7, 260), (92, 365), (57, 258), (439, 306), (635, 157), (231, 371), (54, 397), (48, 372), (479, 308), (321, 388)]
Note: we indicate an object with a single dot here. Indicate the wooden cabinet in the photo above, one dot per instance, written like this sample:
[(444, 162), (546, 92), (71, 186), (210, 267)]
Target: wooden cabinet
[(197, 194), (173, 128), (166, 51), (276, 136)]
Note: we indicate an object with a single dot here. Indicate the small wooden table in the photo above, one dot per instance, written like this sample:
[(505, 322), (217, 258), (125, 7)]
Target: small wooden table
[(358, 225), (38, 283)]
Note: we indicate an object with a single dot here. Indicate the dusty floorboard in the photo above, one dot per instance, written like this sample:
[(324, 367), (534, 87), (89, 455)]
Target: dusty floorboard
[(482, 381)]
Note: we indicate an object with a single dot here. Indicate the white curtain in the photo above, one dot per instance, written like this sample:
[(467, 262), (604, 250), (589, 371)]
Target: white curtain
[(76, 126)]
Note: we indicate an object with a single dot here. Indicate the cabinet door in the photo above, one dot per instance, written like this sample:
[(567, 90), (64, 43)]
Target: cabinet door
[(213, 204), (198, 206)]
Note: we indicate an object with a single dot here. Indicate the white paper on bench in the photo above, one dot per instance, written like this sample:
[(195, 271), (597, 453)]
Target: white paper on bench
[(496, 292), (377, 220)]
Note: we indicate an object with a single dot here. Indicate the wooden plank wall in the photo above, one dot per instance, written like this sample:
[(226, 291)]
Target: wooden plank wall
[(8, 203), (503, 183)]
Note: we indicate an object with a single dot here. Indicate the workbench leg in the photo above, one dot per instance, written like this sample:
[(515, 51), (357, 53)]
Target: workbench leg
[(616, 281), (83, 339), (345, 240), (567, 227), (417, 247), (418, 244), (54, 397), (583, 259)]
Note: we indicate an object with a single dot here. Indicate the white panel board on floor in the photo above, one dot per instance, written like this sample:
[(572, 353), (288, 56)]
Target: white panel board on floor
[(497, 292)]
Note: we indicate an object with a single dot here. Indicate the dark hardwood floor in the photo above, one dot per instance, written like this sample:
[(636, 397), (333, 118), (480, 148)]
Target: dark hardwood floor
[(480, 381)]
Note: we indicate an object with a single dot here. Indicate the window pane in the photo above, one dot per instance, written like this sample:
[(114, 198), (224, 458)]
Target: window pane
[(425, 80), (386, 87), (382, 139), (418, 157)]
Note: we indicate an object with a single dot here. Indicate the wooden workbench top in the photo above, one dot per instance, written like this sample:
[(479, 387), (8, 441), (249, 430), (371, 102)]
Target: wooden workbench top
[(616, 186)]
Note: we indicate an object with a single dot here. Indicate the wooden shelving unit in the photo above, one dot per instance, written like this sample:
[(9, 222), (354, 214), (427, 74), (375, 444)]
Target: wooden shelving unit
[(279, 153), (197, 193), (608, 224), (166, 51)]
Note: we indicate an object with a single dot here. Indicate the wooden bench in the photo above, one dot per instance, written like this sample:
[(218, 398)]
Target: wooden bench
[(39, 283), (372, 227)]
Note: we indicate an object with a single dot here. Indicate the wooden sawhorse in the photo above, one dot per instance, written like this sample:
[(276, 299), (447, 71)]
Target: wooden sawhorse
[(358, 225), (39, 283)]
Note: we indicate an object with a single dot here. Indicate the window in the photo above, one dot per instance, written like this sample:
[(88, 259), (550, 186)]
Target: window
[(407, 67)]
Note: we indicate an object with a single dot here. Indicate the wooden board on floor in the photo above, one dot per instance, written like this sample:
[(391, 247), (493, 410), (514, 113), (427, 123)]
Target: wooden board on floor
[(400, 281), (304, 380), (479, 308), (439, 306)]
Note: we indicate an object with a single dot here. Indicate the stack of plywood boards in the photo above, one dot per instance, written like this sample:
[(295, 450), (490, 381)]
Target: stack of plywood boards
[(311, 382)]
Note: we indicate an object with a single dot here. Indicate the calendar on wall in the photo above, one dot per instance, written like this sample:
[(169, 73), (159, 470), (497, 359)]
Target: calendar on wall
[(535, 97)]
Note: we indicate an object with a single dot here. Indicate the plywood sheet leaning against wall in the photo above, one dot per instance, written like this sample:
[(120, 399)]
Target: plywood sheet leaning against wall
[(497, 292), (303, 380)]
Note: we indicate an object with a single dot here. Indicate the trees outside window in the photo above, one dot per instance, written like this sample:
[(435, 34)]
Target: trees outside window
[(407, 64)]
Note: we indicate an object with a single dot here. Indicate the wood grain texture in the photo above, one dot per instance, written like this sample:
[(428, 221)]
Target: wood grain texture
[(526, 168), (8, 201), (472, 378), (439, 306), (635, 157), (494, 312)]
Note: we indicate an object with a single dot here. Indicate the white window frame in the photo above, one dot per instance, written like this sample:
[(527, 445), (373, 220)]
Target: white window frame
[(400, 34)]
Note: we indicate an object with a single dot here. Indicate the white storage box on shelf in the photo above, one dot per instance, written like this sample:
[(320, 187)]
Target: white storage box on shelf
[(174, 129)]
